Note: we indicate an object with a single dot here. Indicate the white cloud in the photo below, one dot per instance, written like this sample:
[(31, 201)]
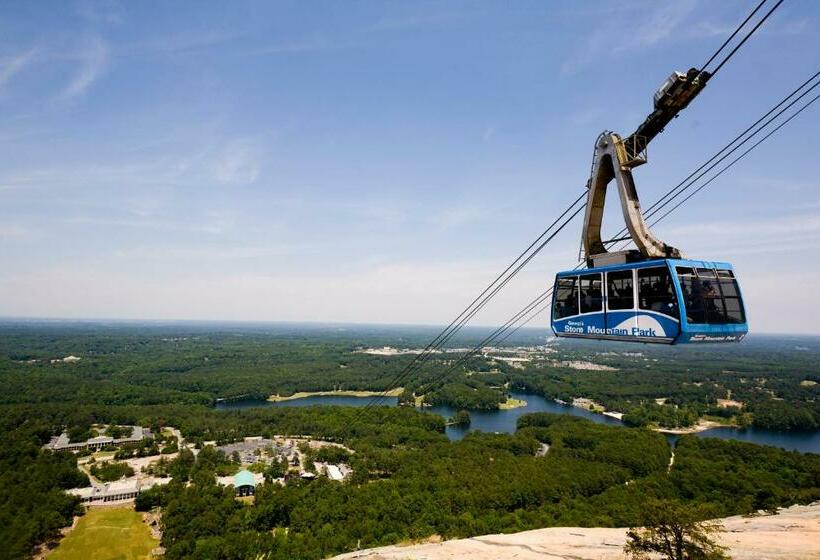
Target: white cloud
[(214, 226), (308, 44), (209, 253), (403, 292), (9, 232), (93, 60), (774, 27), (414, 21), (586, 116), (13, 65), (748, 238), (660, 25), (706, 29), (251, 283), (237, 164), (619, 34), (779, 302), (460, 215), (627, 28), (101, 11), (814, 204), (180, 43), (756, 228)]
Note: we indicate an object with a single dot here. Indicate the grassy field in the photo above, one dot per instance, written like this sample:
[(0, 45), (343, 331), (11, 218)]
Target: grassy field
[(107, 534)]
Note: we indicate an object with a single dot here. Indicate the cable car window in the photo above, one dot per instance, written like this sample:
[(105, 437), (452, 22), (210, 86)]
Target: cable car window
[(711, 296), (712, 300), (734, 311), (729, 288), (715, 311), (656, 292), (566, 297), (733, 307), (591, 294), (619, 290), (692, 295)]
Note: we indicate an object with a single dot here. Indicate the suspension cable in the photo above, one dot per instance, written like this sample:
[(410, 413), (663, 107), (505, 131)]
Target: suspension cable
[(481, 300), (541, 298), (444, 336), (741, 156), (456, 325), (732, 36), (708, 165), (746, 38), (376, 399), (510, 327)]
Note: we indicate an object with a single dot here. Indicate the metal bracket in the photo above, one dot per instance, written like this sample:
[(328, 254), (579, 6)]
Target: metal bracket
[(614, 160)]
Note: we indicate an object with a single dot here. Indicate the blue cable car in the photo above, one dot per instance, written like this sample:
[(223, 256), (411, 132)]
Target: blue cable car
[(650, 293), (668, 301)]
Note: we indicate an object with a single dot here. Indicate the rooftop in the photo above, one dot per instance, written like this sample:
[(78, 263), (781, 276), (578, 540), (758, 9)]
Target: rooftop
[(244, 478), (334, 473)]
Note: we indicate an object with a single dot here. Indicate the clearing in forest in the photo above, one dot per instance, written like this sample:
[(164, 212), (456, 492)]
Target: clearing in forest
[(105, 533)]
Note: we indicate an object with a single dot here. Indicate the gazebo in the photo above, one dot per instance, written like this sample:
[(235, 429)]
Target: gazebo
[(244, 483)]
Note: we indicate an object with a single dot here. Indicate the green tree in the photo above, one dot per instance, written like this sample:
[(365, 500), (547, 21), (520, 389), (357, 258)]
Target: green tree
[(277, 469), (462, 418), (676, 532), (110, 471)]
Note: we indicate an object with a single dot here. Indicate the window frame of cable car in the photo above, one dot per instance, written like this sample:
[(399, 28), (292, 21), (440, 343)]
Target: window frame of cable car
[(726, 279), (610, 298), (691, 313), (669, 305), (711, 296), (718, 313), (560, 301), (591, 307)]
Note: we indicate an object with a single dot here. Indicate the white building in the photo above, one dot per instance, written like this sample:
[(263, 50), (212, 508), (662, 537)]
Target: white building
[(62, 443), (334, 473), (117, 491)]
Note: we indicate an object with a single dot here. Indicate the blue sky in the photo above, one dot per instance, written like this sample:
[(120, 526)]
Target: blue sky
[(375, 161)]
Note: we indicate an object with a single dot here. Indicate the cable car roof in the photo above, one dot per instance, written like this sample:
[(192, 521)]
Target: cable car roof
[(648, 263)]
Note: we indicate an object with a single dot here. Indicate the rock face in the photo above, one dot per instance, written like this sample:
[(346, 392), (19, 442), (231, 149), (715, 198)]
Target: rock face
[(793, 534)]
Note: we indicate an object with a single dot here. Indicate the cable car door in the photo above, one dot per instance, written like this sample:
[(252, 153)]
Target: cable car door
[(591, 303), (621, 317), (658, 316)]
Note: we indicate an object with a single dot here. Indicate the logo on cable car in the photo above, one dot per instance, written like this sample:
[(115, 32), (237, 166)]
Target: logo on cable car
[(716, 338), (650, 327)]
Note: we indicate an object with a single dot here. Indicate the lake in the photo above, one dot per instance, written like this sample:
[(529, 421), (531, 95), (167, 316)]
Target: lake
[(505, 420)]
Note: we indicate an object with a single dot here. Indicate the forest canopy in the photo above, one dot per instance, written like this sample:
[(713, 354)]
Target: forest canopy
[(409, 481)]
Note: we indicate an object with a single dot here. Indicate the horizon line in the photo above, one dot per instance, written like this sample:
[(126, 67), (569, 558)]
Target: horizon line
[(24, 319)]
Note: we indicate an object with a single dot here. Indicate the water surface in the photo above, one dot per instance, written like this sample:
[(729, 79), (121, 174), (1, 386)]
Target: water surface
[(504, 421)]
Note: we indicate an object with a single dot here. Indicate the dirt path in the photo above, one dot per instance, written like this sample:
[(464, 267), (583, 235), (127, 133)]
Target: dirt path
[(793, 534)]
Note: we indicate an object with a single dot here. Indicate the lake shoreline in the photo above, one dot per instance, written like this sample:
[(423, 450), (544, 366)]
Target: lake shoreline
[(511, 403), (335, 393), (504, 421), (701, 426)]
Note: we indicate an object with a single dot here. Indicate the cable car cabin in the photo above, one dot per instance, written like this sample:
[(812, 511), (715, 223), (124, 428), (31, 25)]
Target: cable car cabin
[(669, 301)]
